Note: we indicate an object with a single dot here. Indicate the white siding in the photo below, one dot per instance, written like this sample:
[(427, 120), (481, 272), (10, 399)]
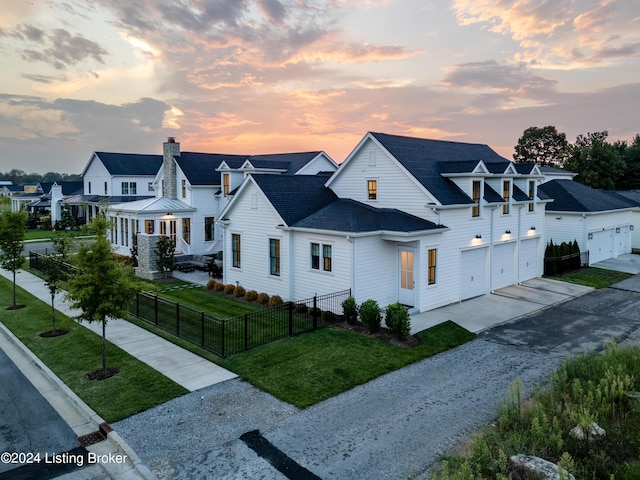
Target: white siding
[(319, 164), (376, 270)]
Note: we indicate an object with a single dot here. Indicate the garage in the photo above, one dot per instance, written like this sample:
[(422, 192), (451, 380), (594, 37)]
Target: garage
[(502, 265), (528, 262), (599, 245), (622, 240), (473, 273)]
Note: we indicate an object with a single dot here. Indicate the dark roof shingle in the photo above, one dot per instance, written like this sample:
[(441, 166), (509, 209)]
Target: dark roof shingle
[(570, 196), (130, 163)]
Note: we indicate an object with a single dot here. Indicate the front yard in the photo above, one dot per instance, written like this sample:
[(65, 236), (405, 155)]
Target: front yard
[(593, 277)]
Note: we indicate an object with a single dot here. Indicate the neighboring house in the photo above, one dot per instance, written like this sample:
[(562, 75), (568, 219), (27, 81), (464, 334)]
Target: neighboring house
[(600, 222), (422, 222), (192, 189), (22, 195), (114, 178), (634, 197)]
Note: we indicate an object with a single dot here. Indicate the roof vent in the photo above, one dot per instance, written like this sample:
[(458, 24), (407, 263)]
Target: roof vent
[(171, 140)]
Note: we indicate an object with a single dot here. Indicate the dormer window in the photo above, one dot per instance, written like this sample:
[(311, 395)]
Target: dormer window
[(532, 194), (372, 187), (226, 184), (506, 195), (475, 195)]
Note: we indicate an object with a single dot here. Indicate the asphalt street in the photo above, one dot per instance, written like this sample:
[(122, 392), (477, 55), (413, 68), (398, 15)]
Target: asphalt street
[(28, 424)]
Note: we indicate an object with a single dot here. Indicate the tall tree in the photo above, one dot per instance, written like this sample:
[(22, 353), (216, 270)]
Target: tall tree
[(103, 287), (56, 276), (542, 145), (631, 154), (13, 226), (598, 163)]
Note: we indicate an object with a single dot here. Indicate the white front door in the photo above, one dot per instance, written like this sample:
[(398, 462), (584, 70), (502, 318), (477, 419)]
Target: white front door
[(406, 294)]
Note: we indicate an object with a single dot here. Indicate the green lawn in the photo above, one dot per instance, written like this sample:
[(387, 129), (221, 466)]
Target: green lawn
[(136, 388), (36, 234), (593, 277)]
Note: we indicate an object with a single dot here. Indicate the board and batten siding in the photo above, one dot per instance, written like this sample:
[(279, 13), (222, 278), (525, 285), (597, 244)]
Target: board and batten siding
[(375, 270), (256, 223), (203, 199)]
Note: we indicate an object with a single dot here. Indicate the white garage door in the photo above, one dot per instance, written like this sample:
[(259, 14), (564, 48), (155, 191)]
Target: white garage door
[(502, 268), (622, 241), (600, 246), (473, 273), (528, 263)]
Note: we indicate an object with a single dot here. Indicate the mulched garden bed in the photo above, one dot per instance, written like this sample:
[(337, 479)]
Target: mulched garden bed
[(54, 333), (383, 334), (102, 374)]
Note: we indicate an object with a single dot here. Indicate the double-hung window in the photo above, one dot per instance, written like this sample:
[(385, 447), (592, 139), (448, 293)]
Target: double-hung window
[(506, 195), (326, 257), (315, 256), (125, 188), (475, 195), (372, 187), (208, 229), (184, 188), (235, 250), (149, 226), (431, 267), (274, 256), (532, 194), (226, 183)]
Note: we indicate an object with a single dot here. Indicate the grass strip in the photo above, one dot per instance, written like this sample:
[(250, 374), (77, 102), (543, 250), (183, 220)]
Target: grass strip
[(136, 388), (593, 277)]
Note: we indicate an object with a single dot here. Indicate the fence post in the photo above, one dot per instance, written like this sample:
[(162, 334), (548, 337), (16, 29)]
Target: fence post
[(155, 310), (202, 328), (223, 355), (178, 320), (291, 319), (315, 311), (246, 332)]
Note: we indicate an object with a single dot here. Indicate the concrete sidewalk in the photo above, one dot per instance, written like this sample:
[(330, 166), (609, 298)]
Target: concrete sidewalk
[(509, 303), (183, 367), (627, 263)]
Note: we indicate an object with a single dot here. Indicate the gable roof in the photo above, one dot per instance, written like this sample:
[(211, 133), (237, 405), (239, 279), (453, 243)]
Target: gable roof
[(295, 196), (130, 164), (347, 215), (570, 196), (200, 168), (290, 162), (427, 159), (72, 188)]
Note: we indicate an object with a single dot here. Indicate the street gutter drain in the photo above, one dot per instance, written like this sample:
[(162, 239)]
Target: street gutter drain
[(95, 437)]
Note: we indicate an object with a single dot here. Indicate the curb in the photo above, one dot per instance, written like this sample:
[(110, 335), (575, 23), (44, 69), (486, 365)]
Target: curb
[(92, 418)]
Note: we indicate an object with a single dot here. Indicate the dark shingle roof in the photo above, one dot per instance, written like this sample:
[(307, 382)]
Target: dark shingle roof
[(423, 159), (130, 163), (491, 196), (72, 188), (498, 167), (200, 168), (291, 162), (524, 168), (630, 195), (347, 215), (519, 195), (570, 196), (295, 196)]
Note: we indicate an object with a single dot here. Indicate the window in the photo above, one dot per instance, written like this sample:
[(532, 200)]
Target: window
[(184, 188), (208, 229), (226, 184), (133, 188), (372, 186), (235, 249), (125, 188), (274, 256), (506, 194), (149, 227), (315, 256), (186, 230), (122, 232), (163, 228), (326, 257), (89, 188), (475, 195), (150, 187), (125, 231), (105, 188), (431, 267), (532, 194)]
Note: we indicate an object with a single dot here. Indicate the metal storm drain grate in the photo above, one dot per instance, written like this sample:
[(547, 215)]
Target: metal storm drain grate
[(91, 438)]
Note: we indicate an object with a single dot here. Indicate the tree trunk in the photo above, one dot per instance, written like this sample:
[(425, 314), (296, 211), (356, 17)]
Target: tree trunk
[(104, 346), (14, 288), (53, 312)]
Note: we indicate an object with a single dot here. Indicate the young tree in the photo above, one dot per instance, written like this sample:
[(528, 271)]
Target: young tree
[(13, 226), (103, 287), (62, 244), (56, 276), (165, 250), (544, 146), (598, 163)]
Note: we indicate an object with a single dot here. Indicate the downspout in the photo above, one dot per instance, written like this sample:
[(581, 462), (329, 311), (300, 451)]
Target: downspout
[(353, 266), (585, 233), (291, 257), (518, 245), (491, 254)]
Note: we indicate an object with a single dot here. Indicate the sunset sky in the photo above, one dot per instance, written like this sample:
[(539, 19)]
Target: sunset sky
[(267, 76)]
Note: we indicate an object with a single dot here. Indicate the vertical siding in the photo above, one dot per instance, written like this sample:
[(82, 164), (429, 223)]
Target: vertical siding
[(376, 270)]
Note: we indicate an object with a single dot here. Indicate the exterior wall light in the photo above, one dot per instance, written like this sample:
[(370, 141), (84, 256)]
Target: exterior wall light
[(631, 227), (617, 229), (590, 236), (508, 232), (533, 227), (478, 236)]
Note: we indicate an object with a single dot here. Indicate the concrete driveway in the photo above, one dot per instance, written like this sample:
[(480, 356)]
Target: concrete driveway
[(628, 263), (509, 303)]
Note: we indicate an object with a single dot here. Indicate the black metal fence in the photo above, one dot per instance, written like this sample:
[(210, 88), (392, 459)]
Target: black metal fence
[(229, 336), (36, 263), (565, 263)]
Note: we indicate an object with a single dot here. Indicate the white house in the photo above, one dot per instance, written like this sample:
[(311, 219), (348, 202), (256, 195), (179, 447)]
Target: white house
[(634, 197), (422, 222), (192, 188), (600, 222)]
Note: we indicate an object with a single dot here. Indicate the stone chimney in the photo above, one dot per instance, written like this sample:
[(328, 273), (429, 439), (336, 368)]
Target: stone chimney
[(170, 149)]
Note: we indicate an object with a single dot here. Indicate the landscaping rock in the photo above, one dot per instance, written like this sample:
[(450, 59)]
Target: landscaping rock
[(540, 467), (595, 432)]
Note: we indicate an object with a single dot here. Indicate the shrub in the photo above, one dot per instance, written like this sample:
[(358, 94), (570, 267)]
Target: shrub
[(350, 309), (275, 300), (302, 308), (239, 291), (251, 296), (229, 288), (328, 316), (263, 298), (370, 315), (397, 320), (315, 312), (211, 284), (218, 287)]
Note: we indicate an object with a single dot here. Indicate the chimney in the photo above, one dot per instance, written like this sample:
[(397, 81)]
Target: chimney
[(170, 149)]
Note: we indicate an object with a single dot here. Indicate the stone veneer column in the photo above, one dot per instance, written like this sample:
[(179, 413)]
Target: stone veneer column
[(147, 257)]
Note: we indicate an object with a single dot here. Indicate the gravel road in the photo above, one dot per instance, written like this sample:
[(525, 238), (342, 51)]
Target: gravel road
[(391, 428)]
